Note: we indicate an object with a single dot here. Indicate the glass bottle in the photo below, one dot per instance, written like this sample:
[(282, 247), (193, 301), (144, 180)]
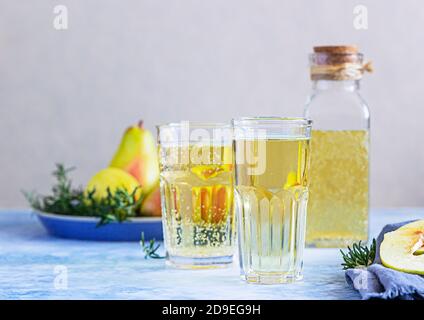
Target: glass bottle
[(339, 176)]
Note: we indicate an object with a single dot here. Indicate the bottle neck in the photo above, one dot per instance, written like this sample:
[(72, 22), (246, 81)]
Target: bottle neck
[(336, 85)]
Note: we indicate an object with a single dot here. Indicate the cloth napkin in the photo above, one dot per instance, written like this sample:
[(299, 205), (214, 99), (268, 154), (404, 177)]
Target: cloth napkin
[(379, 282)]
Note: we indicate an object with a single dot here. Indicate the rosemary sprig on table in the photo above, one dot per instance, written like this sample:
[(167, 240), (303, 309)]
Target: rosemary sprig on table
[(359, 255), (150, 248), (119, 205)]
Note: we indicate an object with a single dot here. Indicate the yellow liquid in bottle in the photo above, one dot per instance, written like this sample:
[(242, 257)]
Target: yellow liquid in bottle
[(338, 197)]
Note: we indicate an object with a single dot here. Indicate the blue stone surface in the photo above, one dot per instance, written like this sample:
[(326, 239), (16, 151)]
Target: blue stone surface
[(35, 265)]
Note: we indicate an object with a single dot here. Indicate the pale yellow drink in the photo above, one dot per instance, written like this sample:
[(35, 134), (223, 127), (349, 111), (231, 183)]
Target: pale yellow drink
[(272, 209), (338, 197), (197, 197)]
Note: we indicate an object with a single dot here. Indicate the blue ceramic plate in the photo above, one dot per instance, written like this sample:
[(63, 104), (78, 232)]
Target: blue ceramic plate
[(85, 228)]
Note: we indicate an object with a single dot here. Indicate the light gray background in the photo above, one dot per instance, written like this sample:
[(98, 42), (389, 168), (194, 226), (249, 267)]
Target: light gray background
[(67, 96)]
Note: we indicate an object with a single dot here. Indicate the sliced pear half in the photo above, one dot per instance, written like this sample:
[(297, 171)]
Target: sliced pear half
[(400, 249)]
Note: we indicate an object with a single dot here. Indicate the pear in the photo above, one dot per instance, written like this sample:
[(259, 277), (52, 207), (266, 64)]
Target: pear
[(113, 179), (402, 249), (151, 205), (137, 155), (206, 172)]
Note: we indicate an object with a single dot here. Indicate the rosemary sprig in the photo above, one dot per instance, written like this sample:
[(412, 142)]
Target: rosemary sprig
[(119, 205), (359, 256), (150, 248)]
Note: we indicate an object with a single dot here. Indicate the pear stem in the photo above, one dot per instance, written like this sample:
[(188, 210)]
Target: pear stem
[(140, 124)]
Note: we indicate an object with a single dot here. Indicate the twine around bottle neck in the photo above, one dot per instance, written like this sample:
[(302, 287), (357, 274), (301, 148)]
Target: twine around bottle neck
[(343, 71)]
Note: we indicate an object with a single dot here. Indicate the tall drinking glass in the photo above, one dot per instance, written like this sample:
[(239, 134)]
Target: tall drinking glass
[(271, 194), (196, 181)]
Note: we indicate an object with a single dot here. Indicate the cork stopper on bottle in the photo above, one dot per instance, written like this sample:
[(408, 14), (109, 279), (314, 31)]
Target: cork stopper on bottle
[(343, 62), (337, 49), (335, 55)]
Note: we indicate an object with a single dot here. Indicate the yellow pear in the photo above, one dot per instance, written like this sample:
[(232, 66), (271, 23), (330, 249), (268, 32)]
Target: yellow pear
[(137, 155), (402, 249), (113, 179)]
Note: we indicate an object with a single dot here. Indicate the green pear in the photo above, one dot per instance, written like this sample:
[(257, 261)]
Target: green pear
[(402, 249), (137, 155), (113, 179)]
